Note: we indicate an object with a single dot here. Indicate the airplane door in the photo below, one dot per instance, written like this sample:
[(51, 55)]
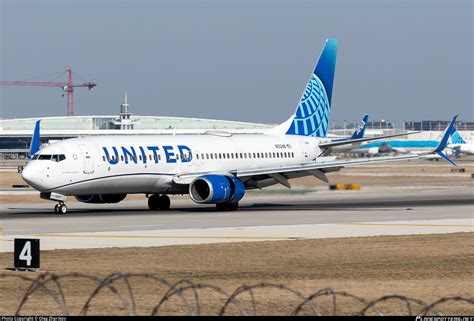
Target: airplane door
[(304, 149), (88, 161)]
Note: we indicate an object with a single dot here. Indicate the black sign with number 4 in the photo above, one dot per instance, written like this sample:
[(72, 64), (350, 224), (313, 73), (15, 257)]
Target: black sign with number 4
[(27, 253)]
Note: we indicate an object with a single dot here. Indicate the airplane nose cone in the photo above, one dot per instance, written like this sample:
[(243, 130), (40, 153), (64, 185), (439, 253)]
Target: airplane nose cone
[(32, 177)]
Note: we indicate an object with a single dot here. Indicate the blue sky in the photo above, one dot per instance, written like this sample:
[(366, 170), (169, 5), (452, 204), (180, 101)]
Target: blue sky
[(240, 60)]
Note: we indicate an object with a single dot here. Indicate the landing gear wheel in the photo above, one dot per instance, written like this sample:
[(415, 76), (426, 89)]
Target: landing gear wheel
[(227, 206), (233, 206), (60, 209), (165, 202), (159, 202), (153, 202)]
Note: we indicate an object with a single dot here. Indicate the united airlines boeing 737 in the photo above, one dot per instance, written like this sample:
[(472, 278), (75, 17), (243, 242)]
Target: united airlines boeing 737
[(213, 168)]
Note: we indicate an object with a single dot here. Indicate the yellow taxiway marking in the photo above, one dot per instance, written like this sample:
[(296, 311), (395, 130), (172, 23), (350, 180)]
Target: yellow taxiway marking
[(410, 225), (165, 236)]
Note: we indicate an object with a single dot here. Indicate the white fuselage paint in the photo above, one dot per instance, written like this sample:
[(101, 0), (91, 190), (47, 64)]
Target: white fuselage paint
[(467, 149), (86, 170)]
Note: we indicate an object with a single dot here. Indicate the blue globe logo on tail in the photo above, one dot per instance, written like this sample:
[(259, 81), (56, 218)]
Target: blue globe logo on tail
[(312, 114)]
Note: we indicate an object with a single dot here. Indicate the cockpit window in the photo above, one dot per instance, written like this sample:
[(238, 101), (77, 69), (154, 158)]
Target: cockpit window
[(54, 158)]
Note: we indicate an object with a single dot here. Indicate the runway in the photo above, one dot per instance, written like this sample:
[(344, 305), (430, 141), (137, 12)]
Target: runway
[(260, 217)]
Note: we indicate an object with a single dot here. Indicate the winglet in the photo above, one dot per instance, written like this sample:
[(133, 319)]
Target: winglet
[(444, 141), (35, 140)]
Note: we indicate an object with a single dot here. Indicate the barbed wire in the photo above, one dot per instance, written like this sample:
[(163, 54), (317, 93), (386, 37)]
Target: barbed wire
[(52, 285)]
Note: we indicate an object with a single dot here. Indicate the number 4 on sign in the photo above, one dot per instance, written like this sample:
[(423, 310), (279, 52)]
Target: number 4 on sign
[(25, 254)]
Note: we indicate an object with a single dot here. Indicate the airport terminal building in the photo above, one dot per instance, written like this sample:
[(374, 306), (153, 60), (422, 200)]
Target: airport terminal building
[(15, 134)]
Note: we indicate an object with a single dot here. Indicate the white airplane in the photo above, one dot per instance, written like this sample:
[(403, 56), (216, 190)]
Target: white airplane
[(213, 168), (459, 145)]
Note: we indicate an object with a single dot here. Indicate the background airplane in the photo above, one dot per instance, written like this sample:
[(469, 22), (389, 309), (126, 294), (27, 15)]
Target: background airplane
[(458, 144)]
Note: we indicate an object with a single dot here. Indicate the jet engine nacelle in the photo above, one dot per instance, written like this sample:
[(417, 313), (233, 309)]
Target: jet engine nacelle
[(100, 198), (213, 189), (373, 151)]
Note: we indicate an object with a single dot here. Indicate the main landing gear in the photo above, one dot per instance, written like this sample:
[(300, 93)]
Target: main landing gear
[(231, 206), (158, 202), (60, 208)]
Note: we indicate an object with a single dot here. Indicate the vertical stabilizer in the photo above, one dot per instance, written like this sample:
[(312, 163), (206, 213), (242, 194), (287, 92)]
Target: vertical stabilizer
[(311, 117)]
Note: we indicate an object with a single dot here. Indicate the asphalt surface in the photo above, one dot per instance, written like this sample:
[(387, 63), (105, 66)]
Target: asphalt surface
[(267, 210)]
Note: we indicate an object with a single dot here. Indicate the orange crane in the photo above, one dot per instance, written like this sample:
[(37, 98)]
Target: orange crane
[(66, 86)]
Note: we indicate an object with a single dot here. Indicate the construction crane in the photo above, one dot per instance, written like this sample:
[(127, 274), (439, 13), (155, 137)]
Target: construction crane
[(66, 86)]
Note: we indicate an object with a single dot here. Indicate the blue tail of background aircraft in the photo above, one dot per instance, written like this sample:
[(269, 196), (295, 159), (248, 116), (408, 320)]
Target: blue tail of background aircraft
[(360, 130), (312, 115), (456, 138), (35, 140)]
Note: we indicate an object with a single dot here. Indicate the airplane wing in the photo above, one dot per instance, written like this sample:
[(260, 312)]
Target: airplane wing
[(317, 168), (359, 140)]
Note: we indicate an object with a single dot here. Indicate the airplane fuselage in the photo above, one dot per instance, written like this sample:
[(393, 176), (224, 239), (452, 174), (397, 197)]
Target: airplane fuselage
[(147, 164)]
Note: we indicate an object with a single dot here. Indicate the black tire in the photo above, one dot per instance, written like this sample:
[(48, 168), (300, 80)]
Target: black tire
[(221, 206), (164, 202), (233, 206), (62, 209), (227, 206), (154, 202), (56, 209)]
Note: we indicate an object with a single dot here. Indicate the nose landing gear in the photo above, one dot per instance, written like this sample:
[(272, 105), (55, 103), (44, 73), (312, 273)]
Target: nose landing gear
[(159, 202), (60, 208)]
